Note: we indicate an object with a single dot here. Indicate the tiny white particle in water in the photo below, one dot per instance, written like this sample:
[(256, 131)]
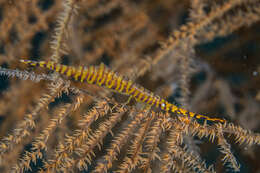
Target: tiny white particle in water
[(163, 104), (255, 73)]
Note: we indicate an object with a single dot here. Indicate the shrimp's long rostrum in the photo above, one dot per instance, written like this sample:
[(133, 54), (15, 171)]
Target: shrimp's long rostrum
[(103, 76)]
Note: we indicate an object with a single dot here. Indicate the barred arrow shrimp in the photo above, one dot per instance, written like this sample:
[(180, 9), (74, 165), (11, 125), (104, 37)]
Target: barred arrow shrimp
[(103, 76)]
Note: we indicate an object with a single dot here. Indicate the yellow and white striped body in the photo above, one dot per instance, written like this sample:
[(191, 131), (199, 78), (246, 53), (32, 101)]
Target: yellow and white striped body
[(103, 76)]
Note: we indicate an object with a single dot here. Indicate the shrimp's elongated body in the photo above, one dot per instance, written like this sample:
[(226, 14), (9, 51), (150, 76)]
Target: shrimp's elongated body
[(103, 76)]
